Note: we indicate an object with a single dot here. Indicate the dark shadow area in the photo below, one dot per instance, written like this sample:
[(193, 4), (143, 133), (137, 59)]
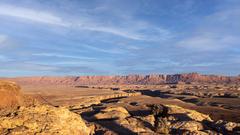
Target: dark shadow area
[(215, 104), (146, 124), (140, 113), (154, 93), (82, 86), (191, 100), (182, 117), (181, 98), (112, 100), (99, 132), (98, 108), (226, 96), (134, 104), (218, 128), (178, 132), (88, 115), (108, 124), (95, 108), (113, 126)]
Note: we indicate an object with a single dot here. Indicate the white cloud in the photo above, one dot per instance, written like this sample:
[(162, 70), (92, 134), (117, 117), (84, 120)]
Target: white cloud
[(208, 43), (62, 56), (25, 66), (115, 31), (30, 14), (132, 47), (131, 29), (112, 51), (217, 31)]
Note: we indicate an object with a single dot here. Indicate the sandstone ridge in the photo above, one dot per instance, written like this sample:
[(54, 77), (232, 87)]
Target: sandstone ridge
[(129, 79)]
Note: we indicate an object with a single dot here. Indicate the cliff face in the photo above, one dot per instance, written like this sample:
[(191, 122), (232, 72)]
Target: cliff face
[(129, 79)]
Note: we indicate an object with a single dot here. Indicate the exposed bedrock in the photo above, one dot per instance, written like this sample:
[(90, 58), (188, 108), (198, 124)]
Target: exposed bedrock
[(129, 79), (18, 116)]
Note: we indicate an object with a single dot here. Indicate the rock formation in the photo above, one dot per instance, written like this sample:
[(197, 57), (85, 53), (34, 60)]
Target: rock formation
[(112, 113), (129, 79), (176, 120), (43, 120), (10, 95), (17, 117), (104, 118)]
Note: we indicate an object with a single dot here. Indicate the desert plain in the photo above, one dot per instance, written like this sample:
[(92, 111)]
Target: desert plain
[(195, 104)]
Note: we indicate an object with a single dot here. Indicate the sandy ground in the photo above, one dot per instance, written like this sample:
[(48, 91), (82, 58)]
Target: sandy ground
[(63, 95)]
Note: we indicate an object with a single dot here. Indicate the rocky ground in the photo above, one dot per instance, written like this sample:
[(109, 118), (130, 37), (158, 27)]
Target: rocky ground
[(22, 115), (135, 118), (100, 110)]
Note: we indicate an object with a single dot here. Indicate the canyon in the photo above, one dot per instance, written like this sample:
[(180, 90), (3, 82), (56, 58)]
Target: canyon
[(188, 104)]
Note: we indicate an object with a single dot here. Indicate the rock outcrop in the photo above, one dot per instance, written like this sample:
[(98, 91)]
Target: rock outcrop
[(129, 79), (188, 114), (105, 117), (226, 127), (18, 117), (94, 100), (43, 120), (112, 113), (176, 120), (10, 95)]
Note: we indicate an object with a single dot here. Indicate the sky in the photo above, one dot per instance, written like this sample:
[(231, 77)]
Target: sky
[(119, 37)]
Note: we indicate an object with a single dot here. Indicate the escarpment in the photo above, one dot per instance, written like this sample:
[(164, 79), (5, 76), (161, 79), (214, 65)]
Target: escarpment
[(128, 79)]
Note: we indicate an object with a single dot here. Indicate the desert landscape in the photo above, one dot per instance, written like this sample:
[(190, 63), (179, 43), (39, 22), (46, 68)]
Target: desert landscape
[(136, 104), (119, 67)]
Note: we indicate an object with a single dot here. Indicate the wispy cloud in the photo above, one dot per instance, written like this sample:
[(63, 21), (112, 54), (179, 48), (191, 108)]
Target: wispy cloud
[(88, 37), (141, 32), (26, 66), (112, 51), (15, 68), (112, 30), (207, 42), (32, 15), (63, 56), (216, 32)]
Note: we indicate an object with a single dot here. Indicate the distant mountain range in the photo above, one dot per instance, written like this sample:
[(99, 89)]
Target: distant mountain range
[(128, 79)]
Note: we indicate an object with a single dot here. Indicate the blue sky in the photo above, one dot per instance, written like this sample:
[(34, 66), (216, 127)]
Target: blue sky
[(119, 37)]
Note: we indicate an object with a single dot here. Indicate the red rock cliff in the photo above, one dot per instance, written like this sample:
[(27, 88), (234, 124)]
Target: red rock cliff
[(129, 79)]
